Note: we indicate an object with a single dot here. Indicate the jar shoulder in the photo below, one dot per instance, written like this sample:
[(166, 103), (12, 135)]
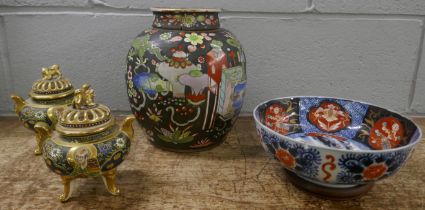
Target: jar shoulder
[(165, 37)]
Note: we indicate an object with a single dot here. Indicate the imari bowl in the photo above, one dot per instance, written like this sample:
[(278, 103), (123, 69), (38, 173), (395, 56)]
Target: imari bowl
[(335, 147)]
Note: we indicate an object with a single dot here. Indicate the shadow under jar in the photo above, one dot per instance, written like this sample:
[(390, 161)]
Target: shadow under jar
[(186, 79)]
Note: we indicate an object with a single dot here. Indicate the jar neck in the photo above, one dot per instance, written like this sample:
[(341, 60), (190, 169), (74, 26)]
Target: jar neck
[(186, 20)]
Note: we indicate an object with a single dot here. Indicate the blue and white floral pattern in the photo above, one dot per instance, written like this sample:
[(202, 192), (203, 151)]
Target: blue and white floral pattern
[(359, 168), (353, 168), (307, 160)]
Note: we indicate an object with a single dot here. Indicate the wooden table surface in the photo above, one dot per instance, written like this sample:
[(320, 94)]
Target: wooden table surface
[(236, 175)]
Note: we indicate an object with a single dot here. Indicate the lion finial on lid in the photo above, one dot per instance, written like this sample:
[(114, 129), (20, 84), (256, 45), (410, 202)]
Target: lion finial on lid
[(52, 72), (52, 85), (83, 97)]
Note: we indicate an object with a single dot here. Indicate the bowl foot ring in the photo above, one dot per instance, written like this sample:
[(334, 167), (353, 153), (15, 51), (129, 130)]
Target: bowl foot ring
[(328, 192)]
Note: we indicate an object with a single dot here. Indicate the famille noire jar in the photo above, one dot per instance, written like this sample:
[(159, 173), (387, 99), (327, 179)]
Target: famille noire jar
[(48, 94), (89, 142), (186, 79)]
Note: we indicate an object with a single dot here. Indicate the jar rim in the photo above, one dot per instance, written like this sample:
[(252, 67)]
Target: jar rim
[(167, 9)]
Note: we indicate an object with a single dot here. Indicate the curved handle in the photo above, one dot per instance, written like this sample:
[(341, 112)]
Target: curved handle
[(53, 113), (127, 126), (19, 103)]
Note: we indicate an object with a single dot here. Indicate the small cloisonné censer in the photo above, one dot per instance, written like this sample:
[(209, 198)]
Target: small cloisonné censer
[(89, 144), (47, 96)]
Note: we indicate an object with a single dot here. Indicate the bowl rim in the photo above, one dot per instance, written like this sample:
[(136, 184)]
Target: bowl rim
[(410, 145)]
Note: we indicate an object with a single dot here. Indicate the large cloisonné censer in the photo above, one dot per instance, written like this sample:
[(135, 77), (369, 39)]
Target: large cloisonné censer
[(90, 143)]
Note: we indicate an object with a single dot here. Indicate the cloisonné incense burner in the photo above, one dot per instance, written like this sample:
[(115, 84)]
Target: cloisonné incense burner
[(89, 143), (47, 96)]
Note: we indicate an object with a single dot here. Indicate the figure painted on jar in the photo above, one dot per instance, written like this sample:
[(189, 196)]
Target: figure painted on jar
[(217, 62), (197, 81), (173, 68)]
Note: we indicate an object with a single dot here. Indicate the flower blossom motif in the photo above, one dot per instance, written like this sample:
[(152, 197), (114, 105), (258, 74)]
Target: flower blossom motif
[(105, 148), (206, 37), (176, 135), (201, 59), (216, 44), (191, 48), (170, 18), (120, 143), (39, 115), (211, 20), (165, 36), (154, 114), (329, 117), (386, 133), (285, 158), (330, 113), (200, 18), (277, 119), (194, 38), (188, 20), (374, 171), (358, 168), (176, 39), (56, 153)]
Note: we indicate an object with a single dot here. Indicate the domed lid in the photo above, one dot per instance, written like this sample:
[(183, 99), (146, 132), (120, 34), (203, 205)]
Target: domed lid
[(52, 85), (84, 116)]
